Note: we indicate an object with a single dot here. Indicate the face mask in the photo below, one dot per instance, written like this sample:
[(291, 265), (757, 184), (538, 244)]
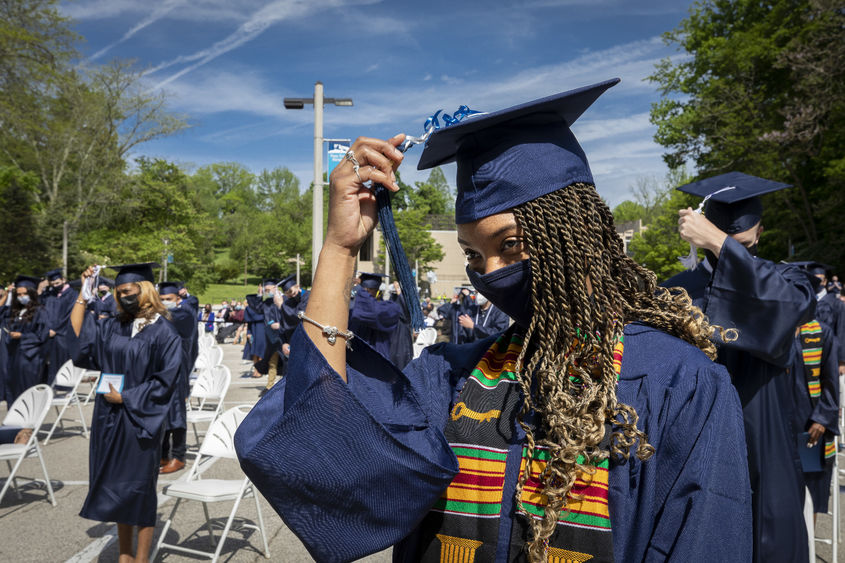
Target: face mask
[(507, 288), (104, 292), (481, 300), (292, 300), (238, 308), (169, 304), (23, 299), (130, 304), (752, 250)]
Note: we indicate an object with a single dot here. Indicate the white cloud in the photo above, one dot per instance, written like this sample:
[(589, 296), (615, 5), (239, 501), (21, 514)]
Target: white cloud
[(158, 13)]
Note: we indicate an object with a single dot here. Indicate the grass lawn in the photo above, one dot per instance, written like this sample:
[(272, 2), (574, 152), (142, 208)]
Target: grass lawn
[(217, 292)]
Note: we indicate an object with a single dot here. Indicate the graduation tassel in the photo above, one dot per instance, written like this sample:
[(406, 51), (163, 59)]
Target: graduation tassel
[(397, 255)]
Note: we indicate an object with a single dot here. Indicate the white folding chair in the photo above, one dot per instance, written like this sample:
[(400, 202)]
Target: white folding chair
[(425, 338), (67, 377), (207, 394), (28, 411), (218, 444)]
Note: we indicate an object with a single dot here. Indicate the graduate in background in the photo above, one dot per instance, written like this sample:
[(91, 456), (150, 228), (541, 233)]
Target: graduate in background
[(373, 319), (174, 445), (104, 305), (269, 364), (488, 320), (58, 300), (27, 337), (295, 300), (462, 304), (830, 310), (582, 433), (189, 299), (764, 302), (141, 352), (256, 345), (815, 413)]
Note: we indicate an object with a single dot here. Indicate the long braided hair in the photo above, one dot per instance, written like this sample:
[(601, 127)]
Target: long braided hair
[(567, 356)]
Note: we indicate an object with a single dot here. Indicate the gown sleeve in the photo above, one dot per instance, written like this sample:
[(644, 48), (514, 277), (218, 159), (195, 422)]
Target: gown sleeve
[(147, 404), (764, 301), (826, 411), (35, 336), (351, 468), (692, 499)]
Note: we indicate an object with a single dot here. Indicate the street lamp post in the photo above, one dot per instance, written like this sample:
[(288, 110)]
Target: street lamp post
[(318, 102)]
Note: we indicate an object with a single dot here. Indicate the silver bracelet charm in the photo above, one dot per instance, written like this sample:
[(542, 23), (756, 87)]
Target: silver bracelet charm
[(331, 332)]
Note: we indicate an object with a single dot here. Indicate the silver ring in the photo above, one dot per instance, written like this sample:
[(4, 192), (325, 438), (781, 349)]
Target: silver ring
[(350, 156)]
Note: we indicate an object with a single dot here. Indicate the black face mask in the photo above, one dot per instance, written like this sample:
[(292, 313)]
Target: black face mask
[(293, 301), (130, 304), (507, 288)]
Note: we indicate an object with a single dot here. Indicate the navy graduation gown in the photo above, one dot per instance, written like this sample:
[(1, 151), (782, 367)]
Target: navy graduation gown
[(489, 322), (183, 321), (765, 302), (254, 317), (4, 352), (123, 459), (103, 306), (27, 355), (464, 306), (291, 308), (373, 320), (354, 468), (826, 411), (830, 310), (58, 308)]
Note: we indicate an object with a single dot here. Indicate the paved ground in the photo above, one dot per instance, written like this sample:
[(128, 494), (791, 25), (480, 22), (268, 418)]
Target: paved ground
[(33, 530)]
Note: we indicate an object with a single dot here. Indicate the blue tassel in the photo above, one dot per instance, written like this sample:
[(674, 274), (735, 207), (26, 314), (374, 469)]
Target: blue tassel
[(397, 256)]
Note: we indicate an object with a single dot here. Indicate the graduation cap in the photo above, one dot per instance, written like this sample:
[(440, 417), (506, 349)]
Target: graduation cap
[(812, 269), (732, 200), (29, 282), (168, 288), (75, 284), (288, 282), (508, 157), (105, 281), (53, 275), (269, 281), (371, 281), (128, 273)]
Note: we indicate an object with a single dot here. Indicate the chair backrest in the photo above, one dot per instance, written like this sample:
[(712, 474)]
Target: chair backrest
[(219, 441), (30, 408), (222, 379), (68, 375), (204, 385), (427, 336), (216, 355)]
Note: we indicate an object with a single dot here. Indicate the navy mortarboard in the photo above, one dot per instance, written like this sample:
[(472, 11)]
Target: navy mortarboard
[(108, 282), (53, 275), (812, 267), (168, 288), (29, 282), (288, 282), (732, 200), (508, 157), (128, 273), (371, 281), (75, 284), (269, 281)]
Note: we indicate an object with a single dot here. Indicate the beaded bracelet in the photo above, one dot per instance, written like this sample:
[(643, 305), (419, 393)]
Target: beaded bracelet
[(331, 332)]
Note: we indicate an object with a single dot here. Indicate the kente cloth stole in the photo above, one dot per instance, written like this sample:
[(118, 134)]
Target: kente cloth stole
[(472, 520), (811, 354)]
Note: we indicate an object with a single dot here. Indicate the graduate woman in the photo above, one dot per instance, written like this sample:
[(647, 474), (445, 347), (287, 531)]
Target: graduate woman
[(593, 429), (26, 337), (140, 352)]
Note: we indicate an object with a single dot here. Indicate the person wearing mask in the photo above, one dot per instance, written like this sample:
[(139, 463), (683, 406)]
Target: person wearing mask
[(58, 298), (462, 304), (830, 310), (26, 334), (488, 320), (174, 445), (269, 364), (596, 428), (207, 317), (256, 342), (374, 320), (139, 355), (762, 302), (293, 300), (104, 305)]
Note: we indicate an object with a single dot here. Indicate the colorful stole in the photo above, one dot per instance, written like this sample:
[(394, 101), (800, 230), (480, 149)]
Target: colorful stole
[(464, 525), (811, 354)]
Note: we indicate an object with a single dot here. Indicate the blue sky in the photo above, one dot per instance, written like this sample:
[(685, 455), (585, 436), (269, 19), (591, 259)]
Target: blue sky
[(227, 64)]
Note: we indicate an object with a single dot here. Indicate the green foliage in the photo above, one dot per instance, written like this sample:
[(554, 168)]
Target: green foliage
[(761, 92), (659, 246), (18, 231), (628, 211)]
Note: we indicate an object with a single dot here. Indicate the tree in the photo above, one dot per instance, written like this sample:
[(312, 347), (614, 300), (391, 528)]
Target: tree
[(23, 249), (628, 211), (761, 92)]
